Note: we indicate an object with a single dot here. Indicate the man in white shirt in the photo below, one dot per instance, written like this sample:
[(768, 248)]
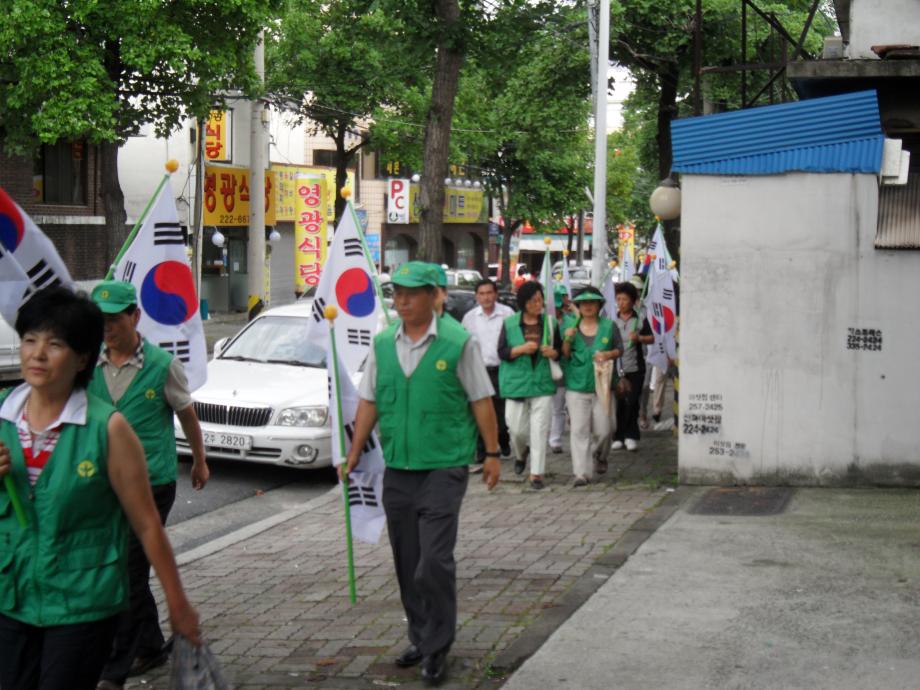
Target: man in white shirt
[(484, 322)]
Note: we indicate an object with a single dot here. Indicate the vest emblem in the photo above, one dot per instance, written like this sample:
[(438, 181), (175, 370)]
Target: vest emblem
[(441, 365), (86, 469), (150, 394), (605, 340)]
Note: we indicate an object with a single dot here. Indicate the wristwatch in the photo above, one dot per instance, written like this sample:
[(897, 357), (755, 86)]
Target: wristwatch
[(493, 454)]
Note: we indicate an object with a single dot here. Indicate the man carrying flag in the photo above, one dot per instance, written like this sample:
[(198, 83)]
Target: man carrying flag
[(434, 393)]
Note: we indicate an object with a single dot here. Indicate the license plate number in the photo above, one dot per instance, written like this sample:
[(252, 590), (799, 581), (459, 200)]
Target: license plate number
[(222, 440)]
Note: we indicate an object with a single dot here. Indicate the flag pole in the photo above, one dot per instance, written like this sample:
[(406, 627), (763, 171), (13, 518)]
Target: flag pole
[(375, 276), (171, 166), (549, 289), (331, 313), (14, 499)]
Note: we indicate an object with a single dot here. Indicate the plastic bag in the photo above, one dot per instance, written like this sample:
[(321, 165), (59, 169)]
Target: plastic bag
[(195, 668)]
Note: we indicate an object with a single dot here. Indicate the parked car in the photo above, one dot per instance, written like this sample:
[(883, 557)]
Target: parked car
[(463, 277), (10, 372), (266, 398), (579, 275), (462, 300)]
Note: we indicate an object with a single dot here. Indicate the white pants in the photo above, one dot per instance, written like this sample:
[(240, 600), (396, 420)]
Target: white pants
[(557, 426), (528, 425), (590, 426)]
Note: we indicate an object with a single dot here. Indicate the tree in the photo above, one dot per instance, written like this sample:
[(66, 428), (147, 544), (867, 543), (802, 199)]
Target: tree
[(338, 65), (100, 69)]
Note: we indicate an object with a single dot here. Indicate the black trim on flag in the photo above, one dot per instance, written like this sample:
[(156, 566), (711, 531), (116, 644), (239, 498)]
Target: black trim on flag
[(41, 275), (369, 445), (168, 232), (319, 306), (181, 349), (362, 496), (358, 336), (127, 273), (353, 247)]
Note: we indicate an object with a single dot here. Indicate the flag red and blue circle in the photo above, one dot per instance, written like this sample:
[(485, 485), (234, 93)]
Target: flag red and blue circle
[(168, 293), (354, 292), (668, 321), (12, 227)]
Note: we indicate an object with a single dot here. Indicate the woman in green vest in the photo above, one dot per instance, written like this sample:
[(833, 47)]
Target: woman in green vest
[(588, 339), (72, 472), (527, 343)]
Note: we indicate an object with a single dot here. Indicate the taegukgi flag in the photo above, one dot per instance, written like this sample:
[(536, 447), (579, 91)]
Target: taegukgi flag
[(661, 304), (347, 282), (28, 259), (365, 483), (546, 278), (157, 265)]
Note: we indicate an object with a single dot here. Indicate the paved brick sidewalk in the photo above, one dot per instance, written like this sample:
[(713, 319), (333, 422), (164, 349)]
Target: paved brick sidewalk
[(275, 606)]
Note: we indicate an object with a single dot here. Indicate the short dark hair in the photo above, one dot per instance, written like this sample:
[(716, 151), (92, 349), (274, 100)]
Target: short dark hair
[(72, 317), (485, 281), (527, 291), (627, 289)]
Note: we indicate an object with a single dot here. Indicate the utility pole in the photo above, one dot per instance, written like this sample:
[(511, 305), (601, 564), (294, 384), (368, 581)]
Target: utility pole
[(599, 233), (255, 252)]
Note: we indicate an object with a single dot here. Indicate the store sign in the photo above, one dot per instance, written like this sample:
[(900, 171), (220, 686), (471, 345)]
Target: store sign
[(309, 231), (398, 201), (460, 205), (286, 190), (226, 196), (217, 136)]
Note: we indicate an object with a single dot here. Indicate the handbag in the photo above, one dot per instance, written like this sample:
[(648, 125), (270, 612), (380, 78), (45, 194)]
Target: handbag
[(556, 371), (623, 387), (195, 668)]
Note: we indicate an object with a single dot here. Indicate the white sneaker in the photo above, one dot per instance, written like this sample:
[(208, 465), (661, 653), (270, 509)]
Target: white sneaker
[(616, 445), (631, 444)]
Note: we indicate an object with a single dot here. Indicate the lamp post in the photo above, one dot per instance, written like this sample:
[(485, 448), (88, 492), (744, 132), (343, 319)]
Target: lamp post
[(665, 200)]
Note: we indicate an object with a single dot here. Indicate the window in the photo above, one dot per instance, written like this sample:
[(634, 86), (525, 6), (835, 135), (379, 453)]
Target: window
[(326, 158), (61, 170), (899, 205)]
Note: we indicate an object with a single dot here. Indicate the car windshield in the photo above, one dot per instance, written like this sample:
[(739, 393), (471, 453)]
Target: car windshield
[(276, 339), (579, 274), (464, 278)]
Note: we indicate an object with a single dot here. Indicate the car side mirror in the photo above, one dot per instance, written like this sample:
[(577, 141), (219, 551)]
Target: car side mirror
[(219, 346)]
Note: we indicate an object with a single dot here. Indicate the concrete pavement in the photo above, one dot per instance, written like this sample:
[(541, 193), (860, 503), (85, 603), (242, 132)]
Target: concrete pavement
[(822, 595), (274, 600)]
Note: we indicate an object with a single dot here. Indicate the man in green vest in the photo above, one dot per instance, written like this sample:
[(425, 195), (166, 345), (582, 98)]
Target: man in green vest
[(427, 386), (147, 385)]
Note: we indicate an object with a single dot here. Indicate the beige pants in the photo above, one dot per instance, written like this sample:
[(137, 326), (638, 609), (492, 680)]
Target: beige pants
[(590, 424), (528, 425)]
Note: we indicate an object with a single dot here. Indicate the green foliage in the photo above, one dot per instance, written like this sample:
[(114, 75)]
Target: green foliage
[(101, 69)]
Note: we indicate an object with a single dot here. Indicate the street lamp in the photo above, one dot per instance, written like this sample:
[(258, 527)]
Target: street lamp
[(416, 177), (665, 200), (274, 236), (218, 239)]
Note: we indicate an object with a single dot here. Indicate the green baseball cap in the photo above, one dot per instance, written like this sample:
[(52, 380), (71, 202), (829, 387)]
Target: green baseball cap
[(114, 296), (415, 274), (442, 275), (589, 295)]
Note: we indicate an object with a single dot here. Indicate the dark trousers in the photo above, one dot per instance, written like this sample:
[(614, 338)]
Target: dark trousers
[(628, 409), (423, 512), (58, 657), (504, 441), (139, 633)]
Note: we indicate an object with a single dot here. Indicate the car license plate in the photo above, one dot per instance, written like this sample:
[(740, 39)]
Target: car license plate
[(222, 440)]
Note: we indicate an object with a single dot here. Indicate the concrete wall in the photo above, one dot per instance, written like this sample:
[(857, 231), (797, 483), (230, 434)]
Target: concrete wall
[(775, 271), (882, 22)]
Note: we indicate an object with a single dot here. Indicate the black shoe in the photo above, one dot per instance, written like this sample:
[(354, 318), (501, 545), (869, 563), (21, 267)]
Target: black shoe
[(556, 449), (521, 463), (506, 452), (434, 669), (536, 484), (142, 664), (410, 656), (656, 417)]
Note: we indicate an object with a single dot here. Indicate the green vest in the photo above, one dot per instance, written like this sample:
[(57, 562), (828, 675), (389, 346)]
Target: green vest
[(425, 420), (69, 565), (579, 366), (146, 409), (521, 377)]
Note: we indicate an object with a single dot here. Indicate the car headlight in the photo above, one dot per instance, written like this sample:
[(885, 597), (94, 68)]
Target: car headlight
[(303, 416)]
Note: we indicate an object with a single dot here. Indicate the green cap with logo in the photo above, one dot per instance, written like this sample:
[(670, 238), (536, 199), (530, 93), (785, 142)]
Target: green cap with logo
[(114, 296), (442, 275), (589, 294), (415, 274)]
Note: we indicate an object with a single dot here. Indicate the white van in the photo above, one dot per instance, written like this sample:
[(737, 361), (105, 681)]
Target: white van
[(9, 355)]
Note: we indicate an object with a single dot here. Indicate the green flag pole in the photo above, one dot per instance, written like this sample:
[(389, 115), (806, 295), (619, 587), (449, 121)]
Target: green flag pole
[(14, 499), (134, 230), (330, 315), (548, 279)]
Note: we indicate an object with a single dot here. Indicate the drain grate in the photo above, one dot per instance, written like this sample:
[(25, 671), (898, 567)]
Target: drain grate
[(743, 500)]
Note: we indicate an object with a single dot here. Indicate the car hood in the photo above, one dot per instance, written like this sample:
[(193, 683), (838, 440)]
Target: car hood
[(255, 383)]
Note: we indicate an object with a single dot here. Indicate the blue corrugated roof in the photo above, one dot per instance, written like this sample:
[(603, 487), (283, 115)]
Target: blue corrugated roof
[(823, 135)]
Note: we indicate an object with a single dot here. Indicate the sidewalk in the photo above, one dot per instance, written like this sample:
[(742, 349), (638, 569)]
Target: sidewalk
[(275, 607), (823, 596)]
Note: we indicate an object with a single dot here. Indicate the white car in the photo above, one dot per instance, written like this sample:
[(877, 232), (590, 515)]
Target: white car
[(266, 398), (10, 371)]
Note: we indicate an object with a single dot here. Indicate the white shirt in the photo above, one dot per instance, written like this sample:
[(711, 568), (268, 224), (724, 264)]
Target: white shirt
[(74, 411), (487, 328)]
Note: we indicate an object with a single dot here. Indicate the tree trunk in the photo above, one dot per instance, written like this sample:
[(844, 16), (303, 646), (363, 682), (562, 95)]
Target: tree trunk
[(667, 111), (437, 131), (341, 173), (113, 200)]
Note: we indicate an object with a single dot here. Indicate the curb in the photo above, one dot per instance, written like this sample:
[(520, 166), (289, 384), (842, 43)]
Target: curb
[(547, 622), (255, 528)]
